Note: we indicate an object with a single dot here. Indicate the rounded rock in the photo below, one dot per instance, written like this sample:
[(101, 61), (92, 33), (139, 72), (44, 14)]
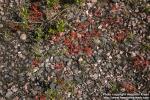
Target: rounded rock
[(1, 25), (23, 36)]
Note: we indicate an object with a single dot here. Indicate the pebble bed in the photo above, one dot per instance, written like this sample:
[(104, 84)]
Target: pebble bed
[(104, 49)]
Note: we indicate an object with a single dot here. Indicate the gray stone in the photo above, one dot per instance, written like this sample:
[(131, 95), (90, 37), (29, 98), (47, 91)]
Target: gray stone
[(53, 86), (78, 79), (3, 18), (9, 93)]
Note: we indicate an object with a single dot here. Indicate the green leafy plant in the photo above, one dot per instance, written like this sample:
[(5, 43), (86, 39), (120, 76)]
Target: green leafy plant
[(130, 37), (36, 50), (114, 87), (146, 47), (24, 14), (38, 34), (51, 3), (78, 1), (38, 37), (52, 31), (61, 26), (52, 94)]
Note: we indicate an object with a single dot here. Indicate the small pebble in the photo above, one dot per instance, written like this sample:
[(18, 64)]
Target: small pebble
[(80, 59), (9, 93), (23, 37), (1, 25), (1, 13), (3, 18), (148, 37)]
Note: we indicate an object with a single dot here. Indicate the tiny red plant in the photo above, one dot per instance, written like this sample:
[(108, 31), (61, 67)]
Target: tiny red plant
[(119, 20), (90, 20), (96, 33), (88, 51), (35, 62), (115, 7), (67, 42), (83, 26), (55, 38), (140, 63), (76, 49), (146, 62), (129, 87), (73, 35), (41, 97), (104, 24), (120, 36), (36, 14), (97, 13), (59, 65)]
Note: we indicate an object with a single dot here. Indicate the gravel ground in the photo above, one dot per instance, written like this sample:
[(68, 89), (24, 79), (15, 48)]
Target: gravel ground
[(104, 48)]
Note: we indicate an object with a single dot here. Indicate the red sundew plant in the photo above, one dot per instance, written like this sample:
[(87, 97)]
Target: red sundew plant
[(104, 24), (119, 20), (81, 41), (97, 13), (67, 42), (90, 20), (35, 13), (120, 36), (129, 87), (74, 49), (55, 39), (140, 63), (82, 26), (58, 66), (88, 51), (35, 62), (115, 7), (73, 35), (95, 33)]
